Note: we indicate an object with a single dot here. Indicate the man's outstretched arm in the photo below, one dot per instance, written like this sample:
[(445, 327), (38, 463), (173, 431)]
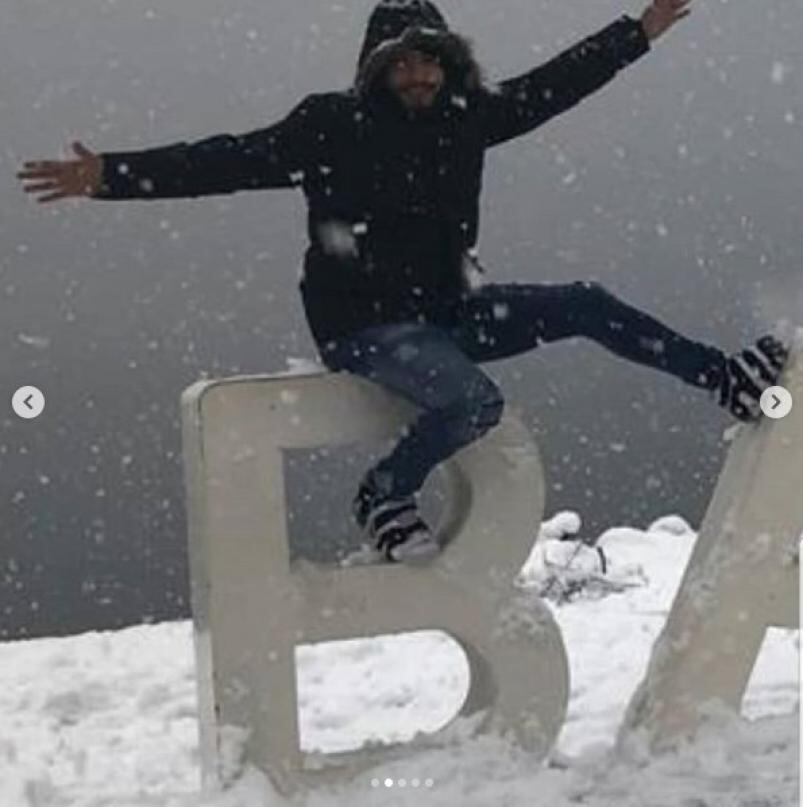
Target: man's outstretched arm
[(521, 104), (267, 158)]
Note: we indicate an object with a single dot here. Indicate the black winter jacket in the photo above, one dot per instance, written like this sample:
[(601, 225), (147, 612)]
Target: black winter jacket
[(393, 196)]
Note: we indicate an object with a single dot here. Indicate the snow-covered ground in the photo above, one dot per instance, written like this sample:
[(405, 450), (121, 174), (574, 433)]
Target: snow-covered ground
[(109, 719)]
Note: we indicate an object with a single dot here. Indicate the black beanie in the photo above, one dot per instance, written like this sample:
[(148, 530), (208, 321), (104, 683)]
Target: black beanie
[(391, 18)]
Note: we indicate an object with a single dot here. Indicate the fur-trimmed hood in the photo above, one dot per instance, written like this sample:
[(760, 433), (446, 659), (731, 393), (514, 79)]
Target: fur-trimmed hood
[(398, 25)]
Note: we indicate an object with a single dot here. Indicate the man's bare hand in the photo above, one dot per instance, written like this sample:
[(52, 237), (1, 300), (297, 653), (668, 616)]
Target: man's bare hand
[(661, 15), (60, 179)]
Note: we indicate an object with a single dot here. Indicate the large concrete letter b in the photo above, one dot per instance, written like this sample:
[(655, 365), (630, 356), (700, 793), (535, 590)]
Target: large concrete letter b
[(252, 606)]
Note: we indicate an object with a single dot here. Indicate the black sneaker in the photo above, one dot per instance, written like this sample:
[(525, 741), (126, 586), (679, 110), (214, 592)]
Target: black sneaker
[(394, 528), (747, 374)]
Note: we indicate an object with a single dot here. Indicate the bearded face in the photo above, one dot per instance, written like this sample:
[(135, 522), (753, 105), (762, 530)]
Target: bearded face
[(416, 78)]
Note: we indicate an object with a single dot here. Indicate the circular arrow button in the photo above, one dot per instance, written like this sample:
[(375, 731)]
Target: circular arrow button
[(776, 402), (28, 402)]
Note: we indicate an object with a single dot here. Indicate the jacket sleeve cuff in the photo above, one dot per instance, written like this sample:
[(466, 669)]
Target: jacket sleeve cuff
[(121, 178), (632, 41), (115, 183)]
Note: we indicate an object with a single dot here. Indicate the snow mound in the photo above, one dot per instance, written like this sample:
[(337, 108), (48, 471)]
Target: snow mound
[(110, 719), (672, 525)]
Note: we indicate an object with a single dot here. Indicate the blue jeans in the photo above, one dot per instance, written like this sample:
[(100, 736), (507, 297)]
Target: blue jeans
[(435, 365)]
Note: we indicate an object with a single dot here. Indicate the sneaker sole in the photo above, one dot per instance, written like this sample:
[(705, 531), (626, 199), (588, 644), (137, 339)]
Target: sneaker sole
[(420, 555)]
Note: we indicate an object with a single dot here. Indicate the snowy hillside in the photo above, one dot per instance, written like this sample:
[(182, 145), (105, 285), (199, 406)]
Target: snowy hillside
[(109, 720)]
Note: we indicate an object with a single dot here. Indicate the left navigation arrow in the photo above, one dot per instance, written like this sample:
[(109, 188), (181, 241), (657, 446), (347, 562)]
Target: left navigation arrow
[(28, 402)]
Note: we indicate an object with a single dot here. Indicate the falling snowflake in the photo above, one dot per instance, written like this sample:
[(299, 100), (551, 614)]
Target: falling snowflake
[(779, 71)]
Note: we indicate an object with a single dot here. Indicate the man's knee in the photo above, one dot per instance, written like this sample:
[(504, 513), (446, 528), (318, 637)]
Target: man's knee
[(596, 311), (591, 291), (477, 412)]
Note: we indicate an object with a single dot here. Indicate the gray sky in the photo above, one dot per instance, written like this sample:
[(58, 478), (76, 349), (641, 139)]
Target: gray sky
[(677, 186)]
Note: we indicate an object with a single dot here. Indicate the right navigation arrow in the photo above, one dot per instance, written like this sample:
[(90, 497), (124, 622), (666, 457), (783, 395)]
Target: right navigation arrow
[(776, 402)]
